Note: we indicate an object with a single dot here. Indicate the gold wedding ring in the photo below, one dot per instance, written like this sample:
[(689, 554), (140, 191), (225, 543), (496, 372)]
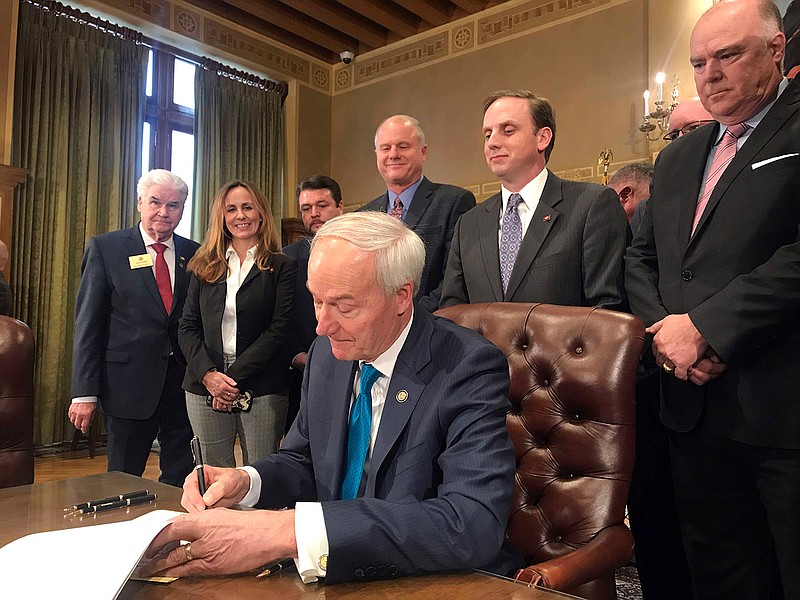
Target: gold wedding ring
[(667, 368), (187, 550)]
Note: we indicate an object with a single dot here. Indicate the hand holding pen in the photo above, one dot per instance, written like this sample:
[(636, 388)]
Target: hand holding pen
[(226, 487)]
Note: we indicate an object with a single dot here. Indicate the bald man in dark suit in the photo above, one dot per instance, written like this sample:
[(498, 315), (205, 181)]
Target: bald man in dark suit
[(429, 209)]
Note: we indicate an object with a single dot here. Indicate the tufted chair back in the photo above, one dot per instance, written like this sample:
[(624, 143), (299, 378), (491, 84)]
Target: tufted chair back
[(16, 403), (572, 418)]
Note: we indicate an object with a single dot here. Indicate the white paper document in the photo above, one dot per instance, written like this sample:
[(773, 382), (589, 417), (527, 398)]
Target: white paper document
[(86, 563)]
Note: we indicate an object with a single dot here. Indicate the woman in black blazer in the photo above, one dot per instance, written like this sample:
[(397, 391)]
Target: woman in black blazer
[(234, 329)]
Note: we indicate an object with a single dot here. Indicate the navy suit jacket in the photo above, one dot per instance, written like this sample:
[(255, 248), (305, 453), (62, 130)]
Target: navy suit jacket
[(433, 214), (439, 484), (303, 329), (123, 334), (263, 312), (737, 276), (572, 253)]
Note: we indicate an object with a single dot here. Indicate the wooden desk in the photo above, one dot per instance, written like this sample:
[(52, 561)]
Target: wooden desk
[(39, 507)]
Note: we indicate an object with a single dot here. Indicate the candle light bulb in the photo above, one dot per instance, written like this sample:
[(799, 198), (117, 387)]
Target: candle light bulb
[(646, 96), (660, 81)]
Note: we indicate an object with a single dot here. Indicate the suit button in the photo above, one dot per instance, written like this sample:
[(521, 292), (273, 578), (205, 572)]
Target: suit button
[(381, 572), (393, 570), (687, 275), (370, 572), (359, 573)]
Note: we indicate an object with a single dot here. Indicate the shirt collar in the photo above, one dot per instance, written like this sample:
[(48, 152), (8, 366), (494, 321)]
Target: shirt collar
[(753, 121), (406, 196), (149, 241), (530, 193), (385, 362), (251, 252)]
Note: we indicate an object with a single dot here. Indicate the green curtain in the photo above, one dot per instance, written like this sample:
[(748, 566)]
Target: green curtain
[(238, 135), (78, 114)]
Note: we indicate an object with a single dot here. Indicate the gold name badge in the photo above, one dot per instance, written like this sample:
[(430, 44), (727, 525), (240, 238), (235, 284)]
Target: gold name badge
[(140, 260)]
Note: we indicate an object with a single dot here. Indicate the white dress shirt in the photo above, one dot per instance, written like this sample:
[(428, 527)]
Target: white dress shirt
[(169, 257), (309, 522), (531, 194), (237, 272)]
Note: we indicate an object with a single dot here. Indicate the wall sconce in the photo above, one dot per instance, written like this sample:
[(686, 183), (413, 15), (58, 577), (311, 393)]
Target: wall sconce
[(659, 118)]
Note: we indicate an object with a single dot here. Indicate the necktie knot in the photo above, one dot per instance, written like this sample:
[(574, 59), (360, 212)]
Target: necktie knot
[(369, 375), (159, 248), (513, 202), (736, 130), (397, 209)]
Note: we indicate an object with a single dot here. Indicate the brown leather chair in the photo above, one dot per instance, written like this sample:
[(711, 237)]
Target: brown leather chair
[(16, 403), (572, 417)]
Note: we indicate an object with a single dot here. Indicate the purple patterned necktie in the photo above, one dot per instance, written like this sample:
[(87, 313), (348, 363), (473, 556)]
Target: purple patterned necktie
[(397, 209), (510, 239), (722, 158)]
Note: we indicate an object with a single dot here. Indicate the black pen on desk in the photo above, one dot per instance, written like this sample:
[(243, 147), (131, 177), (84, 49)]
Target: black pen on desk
[(90, 503), (119, 504), (198, 461), (276, 568)]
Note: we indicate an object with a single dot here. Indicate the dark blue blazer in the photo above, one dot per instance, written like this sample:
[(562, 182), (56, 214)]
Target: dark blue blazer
[(438, 489), (303, 328), (123, 334), (433, 214)]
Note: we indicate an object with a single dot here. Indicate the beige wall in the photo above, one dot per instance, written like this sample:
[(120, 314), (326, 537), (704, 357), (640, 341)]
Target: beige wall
[(8, 43), (592, 68), (314, 135)]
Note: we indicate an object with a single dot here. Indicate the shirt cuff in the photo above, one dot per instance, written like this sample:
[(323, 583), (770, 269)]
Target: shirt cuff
[(312, 541), (254, 493), (83, 399)]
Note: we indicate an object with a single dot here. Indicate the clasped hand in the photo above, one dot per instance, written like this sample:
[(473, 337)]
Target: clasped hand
[(222, 388), (678, 344)]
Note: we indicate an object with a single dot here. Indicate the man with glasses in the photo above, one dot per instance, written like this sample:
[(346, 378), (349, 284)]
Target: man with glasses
[(687, 116)]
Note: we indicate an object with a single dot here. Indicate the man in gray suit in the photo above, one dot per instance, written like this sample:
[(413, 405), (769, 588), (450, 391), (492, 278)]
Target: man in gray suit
[(541, 239), (429, 209)]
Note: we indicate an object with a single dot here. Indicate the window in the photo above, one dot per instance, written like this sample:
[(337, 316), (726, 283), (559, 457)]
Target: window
[(168, 133)]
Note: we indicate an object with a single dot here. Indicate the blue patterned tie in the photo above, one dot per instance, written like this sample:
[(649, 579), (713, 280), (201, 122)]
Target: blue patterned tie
[(510, 239), (358, 434)]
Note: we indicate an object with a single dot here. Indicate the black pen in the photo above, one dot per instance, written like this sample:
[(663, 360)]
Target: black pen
[(198, 461), (276, 568), (90, 503), (119, 504)]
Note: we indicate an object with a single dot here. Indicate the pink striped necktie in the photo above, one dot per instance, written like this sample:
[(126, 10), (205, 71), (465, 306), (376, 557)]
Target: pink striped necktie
[(722, 158)]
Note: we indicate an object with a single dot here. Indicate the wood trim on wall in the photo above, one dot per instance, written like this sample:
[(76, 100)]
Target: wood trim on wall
[(10, 178)]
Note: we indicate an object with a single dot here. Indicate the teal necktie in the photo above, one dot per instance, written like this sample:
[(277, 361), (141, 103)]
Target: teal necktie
[(358, 433)]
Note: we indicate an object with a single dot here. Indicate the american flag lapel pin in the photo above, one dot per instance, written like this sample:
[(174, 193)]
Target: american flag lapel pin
[(546, 218)]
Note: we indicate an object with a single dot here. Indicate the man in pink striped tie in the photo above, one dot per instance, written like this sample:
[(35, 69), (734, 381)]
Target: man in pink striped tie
[(713, 271)]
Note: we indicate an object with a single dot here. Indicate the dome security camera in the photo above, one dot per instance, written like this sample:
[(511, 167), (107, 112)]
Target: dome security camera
[(347, 57)]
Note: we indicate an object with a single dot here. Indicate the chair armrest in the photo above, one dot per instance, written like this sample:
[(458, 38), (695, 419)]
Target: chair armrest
[(609, 550)]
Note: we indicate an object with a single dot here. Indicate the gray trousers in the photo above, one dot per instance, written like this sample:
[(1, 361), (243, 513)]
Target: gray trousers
[(260, 429)]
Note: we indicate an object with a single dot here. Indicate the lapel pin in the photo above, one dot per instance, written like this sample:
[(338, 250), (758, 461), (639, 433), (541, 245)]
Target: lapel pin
[(546, 218), (401, 396)]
